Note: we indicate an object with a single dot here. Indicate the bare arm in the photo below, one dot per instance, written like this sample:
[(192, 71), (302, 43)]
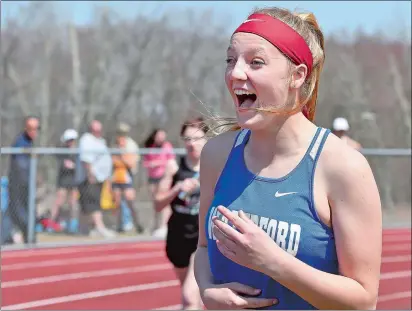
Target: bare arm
[(357, 223), (166, 192), (211, 166), (89, 173), (130, 159), (207, 184)]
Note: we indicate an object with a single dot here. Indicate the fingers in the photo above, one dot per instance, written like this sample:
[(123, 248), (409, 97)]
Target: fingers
[(189, 184), (233, 218), (242, 289), (243, 216), (227, 230), (222, 238), (225, 251), (237, 301), (255, 303)]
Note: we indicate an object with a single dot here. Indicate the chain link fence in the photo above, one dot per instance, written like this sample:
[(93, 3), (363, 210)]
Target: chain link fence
[(48, 204)]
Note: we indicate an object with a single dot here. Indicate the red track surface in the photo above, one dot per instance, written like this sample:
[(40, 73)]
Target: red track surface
[(130, 276)]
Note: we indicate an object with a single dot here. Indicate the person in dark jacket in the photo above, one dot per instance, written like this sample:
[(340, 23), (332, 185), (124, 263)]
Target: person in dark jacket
[(16, 215)]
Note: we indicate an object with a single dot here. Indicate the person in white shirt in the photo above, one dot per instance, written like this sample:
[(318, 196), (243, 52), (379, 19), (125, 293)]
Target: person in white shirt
[(94, 169)]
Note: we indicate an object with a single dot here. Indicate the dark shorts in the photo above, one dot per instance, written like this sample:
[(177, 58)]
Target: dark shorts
[(66, 182), (181, 241), (90, 195), (154, 180)]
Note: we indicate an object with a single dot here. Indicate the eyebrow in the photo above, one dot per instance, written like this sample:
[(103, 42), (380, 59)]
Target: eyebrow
[(252, 50)]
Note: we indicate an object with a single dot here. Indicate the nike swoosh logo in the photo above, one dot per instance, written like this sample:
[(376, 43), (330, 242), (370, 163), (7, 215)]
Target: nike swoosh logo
[(281, 194)]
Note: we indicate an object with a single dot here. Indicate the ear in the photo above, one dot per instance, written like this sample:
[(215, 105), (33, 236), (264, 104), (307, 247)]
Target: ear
[(298, 76)]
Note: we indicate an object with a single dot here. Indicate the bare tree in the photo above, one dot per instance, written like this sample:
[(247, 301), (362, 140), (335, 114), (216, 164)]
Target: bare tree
[(151, 72)]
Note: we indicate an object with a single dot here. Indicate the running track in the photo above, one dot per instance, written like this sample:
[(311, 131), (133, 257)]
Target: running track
[(130, 276)]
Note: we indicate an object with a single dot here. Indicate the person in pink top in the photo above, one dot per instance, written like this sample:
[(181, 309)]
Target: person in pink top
[(156, 165)]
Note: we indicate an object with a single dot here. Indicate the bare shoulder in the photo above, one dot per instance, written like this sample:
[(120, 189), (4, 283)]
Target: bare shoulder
[(340, 158), (347, 171), (215, 153)]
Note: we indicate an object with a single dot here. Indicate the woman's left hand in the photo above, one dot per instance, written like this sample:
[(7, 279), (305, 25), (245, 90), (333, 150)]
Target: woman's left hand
[(249, 245)]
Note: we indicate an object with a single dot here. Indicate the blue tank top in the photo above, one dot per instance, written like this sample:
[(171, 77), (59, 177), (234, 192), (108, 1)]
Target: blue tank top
[(284, 209)]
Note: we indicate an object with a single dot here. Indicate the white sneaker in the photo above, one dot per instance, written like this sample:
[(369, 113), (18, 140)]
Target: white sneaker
[(160, 233), (104, 232), (17, 238), (128, 227)]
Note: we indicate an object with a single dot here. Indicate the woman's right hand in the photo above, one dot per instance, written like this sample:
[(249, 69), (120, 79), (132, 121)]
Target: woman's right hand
[(231, 296), (189, 185)]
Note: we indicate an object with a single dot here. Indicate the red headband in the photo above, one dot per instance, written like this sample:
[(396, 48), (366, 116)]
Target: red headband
[(287, 40)]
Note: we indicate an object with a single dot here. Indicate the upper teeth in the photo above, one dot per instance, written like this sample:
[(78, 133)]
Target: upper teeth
[(242, 92)]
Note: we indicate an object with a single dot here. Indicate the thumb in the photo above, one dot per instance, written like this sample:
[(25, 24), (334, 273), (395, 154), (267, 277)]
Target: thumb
[(243, 289)]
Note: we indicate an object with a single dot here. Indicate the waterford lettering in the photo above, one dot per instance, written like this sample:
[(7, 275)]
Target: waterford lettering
[(286, 235)]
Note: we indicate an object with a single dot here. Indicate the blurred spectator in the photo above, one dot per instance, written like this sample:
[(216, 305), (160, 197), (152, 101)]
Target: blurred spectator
[(124, 169), (66, 184), (15, 219), (156, 165), (340, 128), (93, 169)]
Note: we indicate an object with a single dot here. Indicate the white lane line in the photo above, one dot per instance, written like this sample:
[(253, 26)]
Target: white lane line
[(90, 295), (136, 245), (75, 250), (85, 275), (143, 255), (112, 272), (395, 275), (394, 296), (402, 258), (73, 261), (172, 307)]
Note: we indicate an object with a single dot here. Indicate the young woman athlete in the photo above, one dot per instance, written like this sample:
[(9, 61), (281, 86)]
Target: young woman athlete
[(180, 189), (290, 216)]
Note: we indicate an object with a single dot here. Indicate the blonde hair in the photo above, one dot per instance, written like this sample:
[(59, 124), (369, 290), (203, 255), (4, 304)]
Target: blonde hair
[(307, 26)]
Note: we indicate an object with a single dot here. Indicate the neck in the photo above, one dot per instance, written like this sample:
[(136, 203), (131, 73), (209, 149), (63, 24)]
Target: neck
[(27, 136), (192, 162), (284, 138)]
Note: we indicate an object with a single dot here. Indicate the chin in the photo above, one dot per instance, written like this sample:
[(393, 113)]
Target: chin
[(252, 120), (193, 154)]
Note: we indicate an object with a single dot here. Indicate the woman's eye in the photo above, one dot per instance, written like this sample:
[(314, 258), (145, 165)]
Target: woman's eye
[(257, 62), (229, 61)]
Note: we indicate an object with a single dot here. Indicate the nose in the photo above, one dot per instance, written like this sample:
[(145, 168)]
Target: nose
[(237, 72), (189, 142)]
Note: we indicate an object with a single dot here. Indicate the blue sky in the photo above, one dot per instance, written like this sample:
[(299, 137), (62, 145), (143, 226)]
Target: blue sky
[(389, 16)]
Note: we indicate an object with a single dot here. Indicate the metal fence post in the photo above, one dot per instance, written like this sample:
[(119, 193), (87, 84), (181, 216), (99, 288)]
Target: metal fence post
[(31, 224)]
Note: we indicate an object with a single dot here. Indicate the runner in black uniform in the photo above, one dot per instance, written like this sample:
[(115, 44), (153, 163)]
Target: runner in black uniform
[(180, 189)]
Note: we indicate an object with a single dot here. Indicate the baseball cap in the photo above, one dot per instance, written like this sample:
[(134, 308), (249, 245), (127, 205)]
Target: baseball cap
[(69, 134), (122, 128), (341, 124)]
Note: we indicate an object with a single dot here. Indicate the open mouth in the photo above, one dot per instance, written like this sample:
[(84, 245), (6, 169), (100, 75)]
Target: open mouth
[(245, 99)]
